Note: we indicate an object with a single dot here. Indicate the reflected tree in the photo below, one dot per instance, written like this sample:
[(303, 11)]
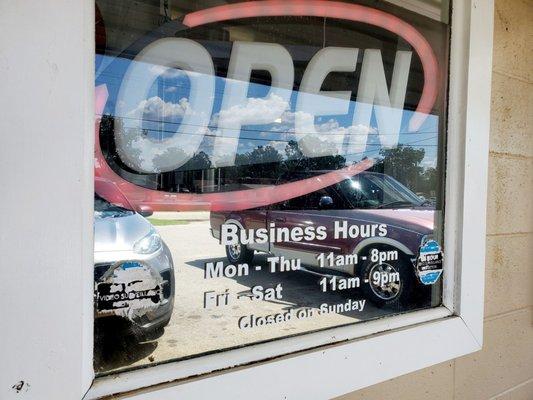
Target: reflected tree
[(296, 161), (198, 161), (402, 163)]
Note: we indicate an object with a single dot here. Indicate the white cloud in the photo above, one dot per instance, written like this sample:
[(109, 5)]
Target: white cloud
[(145, 155), (254, 111), (327, 138), (155, 108), (278, 145)]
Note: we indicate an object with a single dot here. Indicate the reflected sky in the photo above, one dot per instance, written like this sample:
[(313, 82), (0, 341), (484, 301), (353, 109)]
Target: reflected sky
[(266, 119)]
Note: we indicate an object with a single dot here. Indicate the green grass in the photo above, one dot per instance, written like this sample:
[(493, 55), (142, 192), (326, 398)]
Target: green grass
[(165, 222)]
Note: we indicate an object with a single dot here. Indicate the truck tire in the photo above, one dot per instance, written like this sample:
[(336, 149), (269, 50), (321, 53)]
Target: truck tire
[(389, 284), (239, 254)]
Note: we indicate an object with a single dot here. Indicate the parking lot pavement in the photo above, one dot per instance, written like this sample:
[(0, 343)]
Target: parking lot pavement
[(194, 330)]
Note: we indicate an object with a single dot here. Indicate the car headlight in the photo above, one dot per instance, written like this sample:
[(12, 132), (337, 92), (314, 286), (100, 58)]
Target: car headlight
[(148, 244)]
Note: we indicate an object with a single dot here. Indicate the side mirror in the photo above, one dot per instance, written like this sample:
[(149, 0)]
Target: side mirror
[(145, 211), (325, 202)]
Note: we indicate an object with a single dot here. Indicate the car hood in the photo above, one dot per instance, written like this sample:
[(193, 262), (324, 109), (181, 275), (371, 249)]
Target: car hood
[(419, 220), (119, 233)]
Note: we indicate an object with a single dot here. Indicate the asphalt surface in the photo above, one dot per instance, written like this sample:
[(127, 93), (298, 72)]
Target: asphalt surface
[(194, 330)]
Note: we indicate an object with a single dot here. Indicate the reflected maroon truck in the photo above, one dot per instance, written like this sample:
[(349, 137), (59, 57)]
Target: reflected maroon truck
[(374, 217)]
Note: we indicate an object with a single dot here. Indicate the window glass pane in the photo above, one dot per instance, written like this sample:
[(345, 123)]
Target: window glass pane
[(262, 171)]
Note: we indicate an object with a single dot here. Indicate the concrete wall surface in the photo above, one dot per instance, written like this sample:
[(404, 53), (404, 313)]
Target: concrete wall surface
[(503, 370)]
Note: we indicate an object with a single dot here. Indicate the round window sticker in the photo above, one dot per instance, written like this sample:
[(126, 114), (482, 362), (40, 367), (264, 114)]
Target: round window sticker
[(429, 262)]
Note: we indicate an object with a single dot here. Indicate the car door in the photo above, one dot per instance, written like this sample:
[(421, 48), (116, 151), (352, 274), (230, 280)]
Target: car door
[(255, 219), (303, 212)]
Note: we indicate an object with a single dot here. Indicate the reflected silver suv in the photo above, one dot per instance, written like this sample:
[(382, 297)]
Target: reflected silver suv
[(133, 267)]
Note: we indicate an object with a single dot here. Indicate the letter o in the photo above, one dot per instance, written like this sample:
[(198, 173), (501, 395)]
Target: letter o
[(140, 152)]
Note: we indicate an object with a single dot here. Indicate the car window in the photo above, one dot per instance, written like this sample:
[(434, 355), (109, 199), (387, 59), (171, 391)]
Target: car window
[(104, 209), (377, 191), (311, 201)]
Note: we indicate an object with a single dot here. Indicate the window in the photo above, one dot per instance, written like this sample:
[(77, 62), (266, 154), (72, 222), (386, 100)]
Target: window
[(289, 163)]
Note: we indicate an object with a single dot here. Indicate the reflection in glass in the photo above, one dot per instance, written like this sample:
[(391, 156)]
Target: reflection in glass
[(262, 177)]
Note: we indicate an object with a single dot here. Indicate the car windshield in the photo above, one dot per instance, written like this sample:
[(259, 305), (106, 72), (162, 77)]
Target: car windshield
[(104, 209), (378, 191)]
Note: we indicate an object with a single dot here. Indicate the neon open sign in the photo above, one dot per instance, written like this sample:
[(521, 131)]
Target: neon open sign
[(373, 97)]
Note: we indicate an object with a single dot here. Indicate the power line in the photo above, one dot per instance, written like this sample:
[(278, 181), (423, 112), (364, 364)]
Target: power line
[(216, 127)]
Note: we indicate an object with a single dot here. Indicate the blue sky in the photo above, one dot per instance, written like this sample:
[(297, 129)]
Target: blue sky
[(167, 100)]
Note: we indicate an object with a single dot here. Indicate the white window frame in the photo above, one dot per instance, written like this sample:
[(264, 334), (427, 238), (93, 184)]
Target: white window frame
[(47, 241)]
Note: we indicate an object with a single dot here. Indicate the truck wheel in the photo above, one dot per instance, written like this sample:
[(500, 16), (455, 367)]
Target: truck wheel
[(239, 254), (390, 283)]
